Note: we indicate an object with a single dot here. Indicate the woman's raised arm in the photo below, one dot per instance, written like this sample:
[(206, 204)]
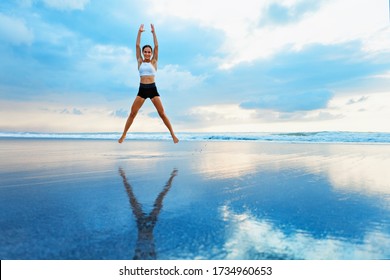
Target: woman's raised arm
[(138, 44), (155, 49)]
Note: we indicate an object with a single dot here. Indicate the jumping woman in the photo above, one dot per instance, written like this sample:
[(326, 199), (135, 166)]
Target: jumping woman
[(147, 67)]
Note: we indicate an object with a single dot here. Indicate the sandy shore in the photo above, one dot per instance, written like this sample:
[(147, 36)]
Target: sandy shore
[(82, 199)]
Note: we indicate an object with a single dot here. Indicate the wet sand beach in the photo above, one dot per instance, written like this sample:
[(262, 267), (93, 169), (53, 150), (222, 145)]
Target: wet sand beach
[(96, 199)]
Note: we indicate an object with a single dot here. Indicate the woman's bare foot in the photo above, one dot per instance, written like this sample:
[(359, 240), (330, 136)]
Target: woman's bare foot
[(175, 139), (121, 139)]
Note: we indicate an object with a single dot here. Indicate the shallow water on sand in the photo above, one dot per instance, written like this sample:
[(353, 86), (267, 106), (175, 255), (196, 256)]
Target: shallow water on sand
[(82, 199)]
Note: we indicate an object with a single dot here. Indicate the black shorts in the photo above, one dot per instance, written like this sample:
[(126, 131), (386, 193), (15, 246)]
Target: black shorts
[(147, 91)]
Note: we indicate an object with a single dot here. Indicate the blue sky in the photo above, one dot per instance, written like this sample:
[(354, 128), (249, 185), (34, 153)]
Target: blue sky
[(286, 65)]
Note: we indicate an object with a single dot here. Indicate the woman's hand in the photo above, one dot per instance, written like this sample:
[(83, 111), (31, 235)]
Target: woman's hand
[(152, 27), (141, 28)]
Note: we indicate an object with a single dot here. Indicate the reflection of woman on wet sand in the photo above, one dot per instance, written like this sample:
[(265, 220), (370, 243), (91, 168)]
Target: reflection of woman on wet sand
[(147, 67), (145, 249)]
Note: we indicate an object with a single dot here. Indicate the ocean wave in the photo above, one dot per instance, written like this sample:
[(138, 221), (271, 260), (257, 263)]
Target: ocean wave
[(294, 137)]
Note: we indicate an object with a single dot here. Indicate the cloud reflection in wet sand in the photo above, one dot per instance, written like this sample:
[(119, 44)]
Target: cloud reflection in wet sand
[(357, 168), (249, 237)]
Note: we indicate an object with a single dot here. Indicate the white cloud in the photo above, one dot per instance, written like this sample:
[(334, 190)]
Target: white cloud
[(66, 4), (378, 41), (341, 21), (54, 116), (334, 22), (385, 76), (14, 30), (54, 34), (111, 56), (370, 113), (227, 113), (358, 111), (33, 28), (76, 112), (110, 62), (110, 53), (173, 78)]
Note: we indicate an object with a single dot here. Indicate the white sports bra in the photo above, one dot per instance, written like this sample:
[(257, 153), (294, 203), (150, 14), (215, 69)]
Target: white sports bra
[(146, 69)]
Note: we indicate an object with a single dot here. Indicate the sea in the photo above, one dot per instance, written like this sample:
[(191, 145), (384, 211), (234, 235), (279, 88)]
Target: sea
[(289, 137)]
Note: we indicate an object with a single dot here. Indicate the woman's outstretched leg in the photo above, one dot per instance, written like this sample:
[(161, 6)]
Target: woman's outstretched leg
[(137, 104), (160, 109)]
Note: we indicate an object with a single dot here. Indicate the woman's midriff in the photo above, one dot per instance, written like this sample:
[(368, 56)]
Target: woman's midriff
[(147, 79)]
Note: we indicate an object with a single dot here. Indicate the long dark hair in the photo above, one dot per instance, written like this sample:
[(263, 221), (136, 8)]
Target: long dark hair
[(147, 46)]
